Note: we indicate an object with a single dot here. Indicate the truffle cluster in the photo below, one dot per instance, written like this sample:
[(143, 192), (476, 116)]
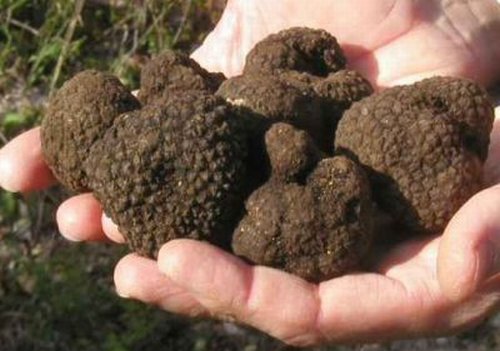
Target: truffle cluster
[(290, 164)]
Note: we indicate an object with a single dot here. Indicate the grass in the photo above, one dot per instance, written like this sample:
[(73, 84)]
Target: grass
[(56, 295)]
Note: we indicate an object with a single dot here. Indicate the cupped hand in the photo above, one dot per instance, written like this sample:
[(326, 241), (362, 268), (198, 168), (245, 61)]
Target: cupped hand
[(429, 286)]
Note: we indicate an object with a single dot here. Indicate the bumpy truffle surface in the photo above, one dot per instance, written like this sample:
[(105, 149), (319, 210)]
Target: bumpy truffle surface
[(297, 76), (318, 228), (172, 171), (271, 99), (171, 72), (77, 116), (301, 49), (294, 160), (423, 147)]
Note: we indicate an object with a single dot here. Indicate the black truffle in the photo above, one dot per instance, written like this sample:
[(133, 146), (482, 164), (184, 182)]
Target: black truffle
[(317, 229), (172, 72), (271, 99), (301, 49), (200, 151), (294, 159), (77, 116), (423, 147), (297, 76), (172, 171)]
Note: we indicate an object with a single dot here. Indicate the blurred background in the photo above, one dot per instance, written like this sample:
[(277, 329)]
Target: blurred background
[(56, 295)]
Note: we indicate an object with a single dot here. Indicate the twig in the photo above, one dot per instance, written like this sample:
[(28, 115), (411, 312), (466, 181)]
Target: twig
[(185, 15), (24, 26), (67, 41)]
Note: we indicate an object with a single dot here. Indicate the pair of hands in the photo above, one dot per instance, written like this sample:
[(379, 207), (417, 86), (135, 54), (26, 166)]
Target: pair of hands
[(433, 285)]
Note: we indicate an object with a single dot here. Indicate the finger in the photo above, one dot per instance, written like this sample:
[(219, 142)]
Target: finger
[(79, 219), (139, 278), (406, 302), (273, 301), (228, 39), (22, 167), (469, 252), (111, 230), (368, 307)]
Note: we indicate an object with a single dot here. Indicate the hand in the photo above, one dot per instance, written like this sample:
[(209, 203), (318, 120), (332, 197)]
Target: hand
[(431, 286)]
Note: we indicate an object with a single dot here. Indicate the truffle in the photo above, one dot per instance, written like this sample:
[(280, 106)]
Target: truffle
[(297, 76), (292, 153), (171, 171), (423, 147), (260, 162), (77, 116), (317, 228), (301, 49), (171, 72), (271, 99)]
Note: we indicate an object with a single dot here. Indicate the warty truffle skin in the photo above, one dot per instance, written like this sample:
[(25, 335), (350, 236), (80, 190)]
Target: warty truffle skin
[(297, 76), (423, 147), (336, 93), (295, 160), (77, 116), (317, 228), (269, 99), (301, 49), (171, 72), (165, 172)]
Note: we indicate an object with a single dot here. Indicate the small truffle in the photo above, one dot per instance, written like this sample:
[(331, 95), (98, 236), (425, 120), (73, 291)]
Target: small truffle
[(301, 49), (172, 171), (423, 147), (294, 160), (171, 72), (318, 229), (77, 116)]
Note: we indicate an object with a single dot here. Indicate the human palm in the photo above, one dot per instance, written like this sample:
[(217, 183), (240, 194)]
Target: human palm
[(389, 41), (427, 286)]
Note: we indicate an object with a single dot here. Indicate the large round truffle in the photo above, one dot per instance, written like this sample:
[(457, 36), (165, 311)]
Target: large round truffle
[(172, 171), (423, 146), (317, 228), (77, 116), (301, 49), (171, 72)]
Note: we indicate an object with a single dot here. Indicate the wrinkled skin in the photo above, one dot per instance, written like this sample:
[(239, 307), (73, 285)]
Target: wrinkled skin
[(431, 286)]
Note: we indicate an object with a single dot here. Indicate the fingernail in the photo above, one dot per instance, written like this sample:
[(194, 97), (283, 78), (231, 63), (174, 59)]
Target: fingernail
[(71, 237), (122, 294), (68, 233), (7, 176)]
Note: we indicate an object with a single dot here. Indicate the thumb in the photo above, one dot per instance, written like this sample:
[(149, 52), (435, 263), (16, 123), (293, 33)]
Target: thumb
[(469, 251), (225, 48)]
